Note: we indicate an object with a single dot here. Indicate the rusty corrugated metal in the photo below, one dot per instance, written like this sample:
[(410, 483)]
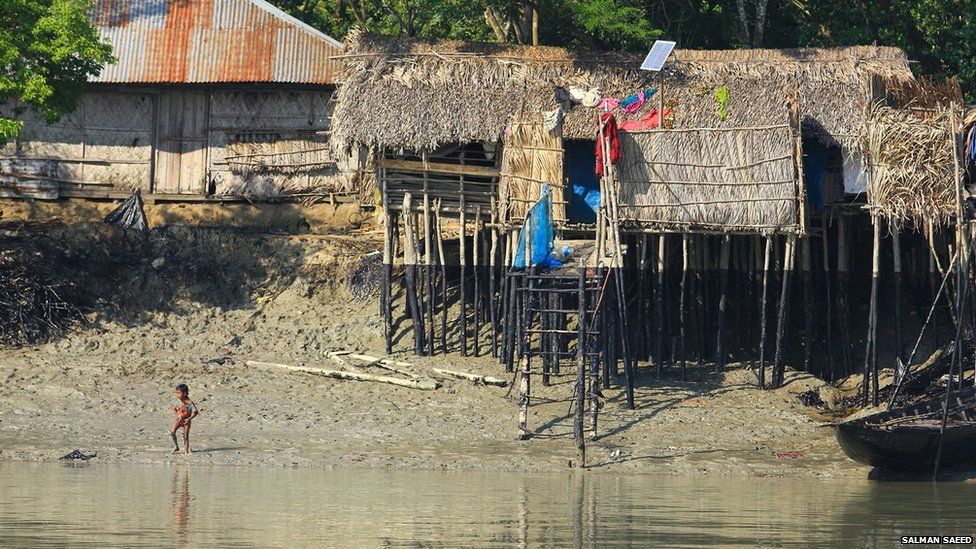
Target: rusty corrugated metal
[(207, 41)]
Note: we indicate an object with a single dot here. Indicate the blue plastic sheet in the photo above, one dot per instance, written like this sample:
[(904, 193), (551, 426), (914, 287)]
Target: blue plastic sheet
[(539, 222)]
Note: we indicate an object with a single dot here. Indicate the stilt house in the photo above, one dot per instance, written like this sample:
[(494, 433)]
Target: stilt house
[(741, 175)]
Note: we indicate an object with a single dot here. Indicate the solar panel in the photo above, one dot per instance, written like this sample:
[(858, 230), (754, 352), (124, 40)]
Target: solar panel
[(658, 55)]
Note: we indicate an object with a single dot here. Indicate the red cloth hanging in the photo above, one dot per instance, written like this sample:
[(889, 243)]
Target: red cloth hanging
[(609, 124)]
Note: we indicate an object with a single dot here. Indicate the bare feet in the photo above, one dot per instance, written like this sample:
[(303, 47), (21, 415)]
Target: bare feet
[(176, 450), (187, 451)]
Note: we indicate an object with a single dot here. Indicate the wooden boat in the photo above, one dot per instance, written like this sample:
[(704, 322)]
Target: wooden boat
[(907, 439)]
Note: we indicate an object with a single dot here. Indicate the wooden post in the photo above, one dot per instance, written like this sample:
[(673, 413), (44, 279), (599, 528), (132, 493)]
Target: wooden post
[(871, 351), (681, 307), (442, 259), (462, 285), (828, 303), (581, 375), (386, 298), (762, 312), (723, 269), (410, 265), (896, 264), (428, 275), (475, 249), (659, 306), (807, 274), (789, 256), (842, 290), (641, 347), (492, 282)]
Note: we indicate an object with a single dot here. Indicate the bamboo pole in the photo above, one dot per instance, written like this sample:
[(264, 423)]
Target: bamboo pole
[(782, 318), (842, 292), (871, 351), (828, 303), (428, 276), (762, 315), (806, 269), (642, 323), (581, 375), (897, 266), (410, 265), (492, 281), (659, 305), (681, 307), (723, 302), (422, 384), (476, 260), (442, 259), (462, 285), (474, 378), (386, 297)]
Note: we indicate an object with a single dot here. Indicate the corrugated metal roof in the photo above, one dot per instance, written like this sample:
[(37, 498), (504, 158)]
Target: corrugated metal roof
[(207, 41)]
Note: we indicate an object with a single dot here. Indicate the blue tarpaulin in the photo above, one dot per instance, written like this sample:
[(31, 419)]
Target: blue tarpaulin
[(539, 222)]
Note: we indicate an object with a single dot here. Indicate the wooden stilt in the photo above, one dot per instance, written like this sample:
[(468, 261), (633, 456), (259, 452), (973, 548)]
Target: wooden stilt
[(723, 268), (386, 298), (681, 307), (871, 352), (807, 275), (843, 306), (463, 283), (442, 260), (659, 307), (762, 311), (428, 275), (492, 282), (410, 265), (581, 375), (828, 303), (896, 264), (476, 261), (641, 343), (782, 317)]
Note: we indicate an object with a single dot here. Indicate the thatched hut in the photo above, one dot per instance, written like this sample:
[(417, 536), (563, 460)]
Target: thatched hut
[(728, 158)]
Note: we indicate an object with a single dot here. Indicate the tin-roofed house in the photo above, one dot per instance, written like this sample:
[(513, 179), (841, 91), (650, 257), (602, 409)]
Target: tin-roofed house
[(208, 100)]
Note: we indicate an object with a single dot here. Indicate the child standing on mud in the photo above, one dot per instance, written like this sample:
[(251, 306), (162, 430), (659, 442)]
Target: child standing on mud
[(185, 410)]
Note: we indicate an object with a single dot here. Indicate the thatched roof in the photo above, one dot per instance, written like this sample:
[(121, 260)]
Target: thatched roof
[(416, 95), (912, 168)]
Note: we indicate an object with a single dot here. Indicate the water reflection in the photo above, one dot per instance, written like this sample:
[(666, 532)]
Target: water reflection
[(181, 502), (151, 506)]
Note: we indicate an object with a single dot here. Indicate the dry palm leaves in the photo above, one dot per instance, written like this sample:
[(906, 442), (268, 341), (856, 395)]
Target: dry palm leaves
[(912, 171)]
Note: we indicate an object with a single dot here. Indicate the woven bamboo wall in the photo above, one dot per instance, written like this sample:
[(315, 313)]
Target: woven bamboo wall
[(272, 143), (531, 157), (732, 180), (104, 143)]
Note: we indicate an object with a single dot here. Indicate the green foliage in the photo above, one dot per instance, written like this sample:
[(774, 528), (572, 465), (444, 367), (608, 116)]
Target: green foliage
[(48, 49)]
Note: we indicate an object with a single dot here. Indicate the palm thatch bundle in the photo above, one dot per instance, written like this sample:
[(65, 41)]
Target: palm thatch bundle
[(911, 166), (742, 179), (407, 94), (534, 156)]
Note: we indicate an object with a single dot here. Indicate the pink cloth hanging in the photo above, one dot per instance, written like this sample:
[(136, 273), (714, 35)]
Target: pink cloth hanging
[(648, 122)]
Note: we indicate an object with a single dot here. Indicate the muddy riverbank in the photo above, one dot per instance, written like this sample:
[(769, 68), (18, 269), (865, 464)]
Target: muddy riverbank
[(195, 307)]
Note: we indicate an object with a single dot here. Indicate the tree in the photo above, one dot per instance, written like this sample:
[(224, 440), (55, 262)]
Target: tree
[(48, 50)]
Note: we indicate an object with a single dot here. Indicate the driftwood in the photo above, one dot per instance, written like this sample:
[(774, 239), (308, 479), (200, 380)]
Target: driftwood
[(476, 378), (422, 384)]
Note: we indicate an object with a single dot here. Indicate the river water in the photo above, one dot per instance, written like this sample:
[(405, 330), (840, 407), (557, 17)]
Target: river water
[(46, 505)]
